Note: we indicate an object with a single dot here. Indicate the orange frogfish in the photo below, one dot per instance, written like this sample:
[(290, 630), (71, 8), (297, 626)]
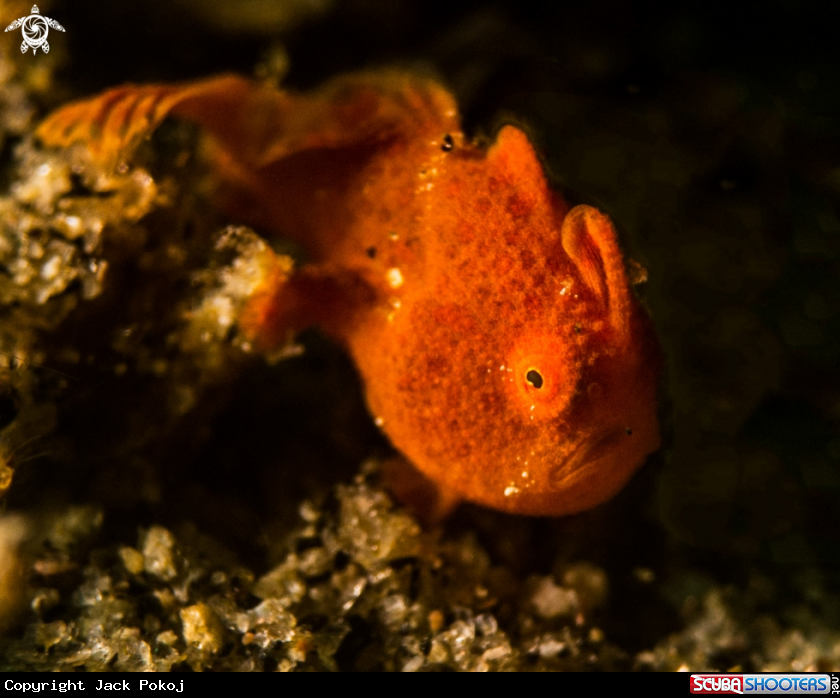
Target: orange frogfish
[(501, 348)]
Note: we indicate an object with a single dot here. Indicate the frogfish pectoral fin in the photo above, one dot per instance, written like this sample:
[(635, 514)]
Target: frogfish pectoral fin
[(590, 240)]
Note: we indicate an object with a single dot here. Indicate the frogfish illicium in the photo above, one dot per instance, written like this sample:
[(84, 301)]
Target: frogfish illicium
[(501, 347)]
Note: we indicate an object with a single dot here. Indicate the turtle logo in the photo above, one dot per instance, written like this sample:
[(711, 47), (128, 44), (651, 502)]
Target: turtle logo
[(35, 28)]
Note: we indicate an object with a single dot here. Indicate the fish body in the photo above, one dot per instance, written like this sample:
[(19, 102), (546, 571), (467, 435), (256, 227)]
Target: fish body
[(501, 348)]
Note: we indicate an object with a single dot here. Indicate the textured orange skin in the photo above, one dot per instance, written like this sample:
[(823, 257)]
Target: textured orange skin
[(449, 273)]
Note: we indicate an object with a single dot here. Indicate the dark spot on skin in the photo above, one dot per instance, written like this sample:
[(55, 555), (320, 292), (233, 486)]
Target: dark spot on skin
[(552, 262), (527, 258), (519, 206), (533, 304), (628, 431), (483, 204), (534, 378), (447, 144), (371, 252)]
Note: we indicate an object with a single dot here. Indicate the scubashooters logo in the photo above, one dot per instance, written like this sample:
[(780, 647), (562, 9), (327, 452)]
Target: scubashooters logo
[(35, 28), (761, 684)]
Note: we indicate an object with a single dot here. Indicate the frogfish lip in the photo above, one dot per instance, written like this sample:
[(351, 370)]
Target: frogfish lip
[(587, 451)]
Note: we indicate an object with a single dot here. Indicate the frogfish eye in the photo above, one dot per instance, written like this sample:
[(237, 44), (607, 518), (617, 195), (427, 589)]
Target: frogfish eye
[(542, 374)]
